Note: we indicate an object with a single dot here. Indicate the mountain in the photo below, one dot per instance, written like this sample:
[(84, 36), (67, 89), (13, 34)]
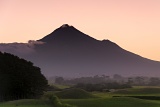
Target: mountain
[(69, 52)]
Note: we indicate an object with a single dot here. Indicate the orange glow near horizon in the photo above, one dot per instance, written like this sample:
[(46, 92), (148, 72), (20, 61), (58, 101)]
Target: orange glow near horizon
[(132, 24)]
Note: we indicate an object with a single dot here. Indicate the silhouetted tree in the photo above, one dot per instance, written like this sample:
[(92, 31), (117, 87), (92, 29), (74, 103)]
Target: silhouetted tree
[(117, 76), (139, 80), (154, 81), (101, 86), (59, 80), (19, 78)]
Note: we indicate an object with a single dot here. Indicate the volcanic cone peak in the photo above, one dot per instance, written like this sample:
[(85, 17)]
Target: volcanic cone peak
[(65, 26), (67, 33)]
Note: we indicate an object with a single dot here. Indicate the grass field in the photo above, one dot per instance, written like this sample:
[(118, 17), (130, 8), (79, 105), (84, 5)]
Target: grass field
[(118, 98), (61, 86), (74, 93), (113, 102), (139, 90), (123, 99), (27, 103)]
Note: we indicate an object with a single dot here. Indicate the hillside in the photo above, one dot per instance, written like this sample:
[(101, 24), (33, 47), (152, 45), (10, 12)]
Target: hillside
[(71, 53)]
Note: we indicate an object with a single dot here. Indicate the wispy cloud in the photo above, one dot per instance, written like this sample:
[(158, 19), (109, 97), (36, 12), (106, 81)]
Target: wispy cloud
[(19, 48)]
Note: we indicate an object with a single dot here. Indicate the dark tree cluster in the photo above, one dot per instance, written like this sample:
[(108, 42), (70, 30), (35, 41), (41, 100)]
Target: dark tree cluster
[(133, 81), (93, 80), (19, 78), (144, 81), (101, 86)]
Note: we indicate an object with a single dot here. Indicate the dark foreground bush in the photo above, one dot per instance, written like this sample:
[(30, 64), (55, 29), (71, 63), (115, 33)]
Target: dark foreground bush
[(19, 79), (57, 103)]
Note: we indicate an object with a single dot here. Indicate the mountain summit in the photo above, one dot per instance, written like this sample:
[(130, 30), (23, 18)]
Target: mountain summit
[(65, 26), (66, 34), (69, 52)]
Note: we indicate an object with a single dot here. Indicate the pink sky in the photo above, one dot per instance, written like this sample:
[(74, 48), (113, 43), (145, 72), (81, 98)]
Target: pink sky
[(132, 24)]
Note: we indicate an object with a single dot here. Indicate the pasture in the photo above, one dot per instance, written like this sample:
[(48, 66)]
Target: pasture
[(27, 103), (136, 96)]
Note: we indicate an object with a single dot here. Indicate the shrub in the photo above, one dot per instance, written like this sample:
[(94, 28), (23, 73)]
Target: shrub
[(57, 103)]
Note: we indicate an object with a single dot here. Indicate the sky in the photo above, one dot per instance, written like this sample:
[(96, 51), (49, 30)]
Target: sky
[(132, 24)]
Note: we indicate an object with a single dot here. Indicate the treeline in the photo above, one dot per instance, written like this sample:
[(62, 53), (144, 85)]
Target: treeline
[(19, 78), (95, 83), (102, 87), (92, 80), (133, 81)]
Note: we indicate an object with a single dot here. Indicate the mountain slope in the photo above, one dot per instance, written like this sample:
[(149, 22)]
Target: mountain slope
[(69, 52)]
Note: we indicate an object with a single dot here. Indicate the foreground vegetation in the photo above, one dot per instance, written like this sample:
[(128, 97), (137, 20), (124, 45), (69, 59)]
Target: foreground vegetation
[(118, 98), (27, 103), (112, 102), (20, 79), (136, 96)]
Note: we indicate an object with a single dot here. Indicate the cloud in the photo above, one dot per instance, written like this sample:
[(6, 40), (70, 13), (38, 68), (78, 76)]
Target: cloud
[(33, 42), (20, 48)]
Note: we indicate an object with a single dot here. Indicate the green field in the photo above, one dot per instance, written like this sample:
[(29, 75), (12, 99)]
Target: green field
[(117, 98), (27, 103), (113, 102), (61, 86), (74, 93), (125, 98), (139, 90)]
